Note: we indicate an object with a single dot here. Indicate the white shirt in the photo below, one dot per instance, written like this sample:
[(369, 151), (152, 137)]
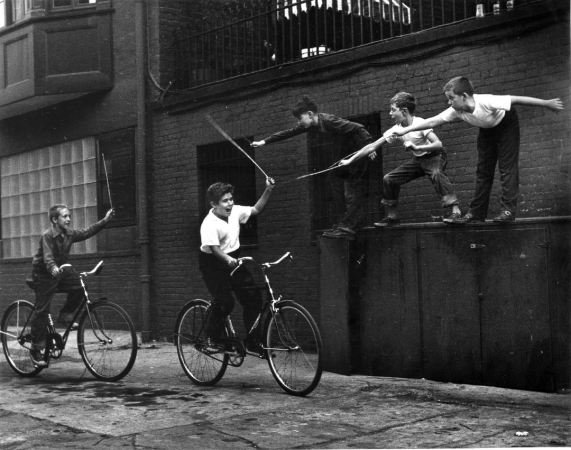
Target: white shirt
[(489, 111), (215, 231), (416, 137)]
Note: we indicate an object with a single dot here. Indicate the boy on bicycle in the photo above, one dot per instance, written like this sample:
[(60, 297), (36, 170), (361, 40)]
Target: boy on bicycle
[(53, 251), (219, 250)]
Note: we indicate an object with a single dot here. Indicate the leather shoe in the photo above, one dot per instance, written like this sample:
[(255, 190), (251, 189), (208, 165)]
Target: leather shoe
[(388, 221), (37, 358), (467, 218), (505, 216)]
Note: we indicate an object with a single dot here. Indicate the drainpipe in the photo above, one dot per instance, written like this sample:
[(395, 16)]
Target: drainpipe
[(142, 220)]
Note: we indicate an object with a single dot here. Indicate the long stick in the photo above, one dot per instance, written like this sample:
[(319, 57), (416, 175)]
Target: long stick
[(335, 165), (223, 133), (107, 178)]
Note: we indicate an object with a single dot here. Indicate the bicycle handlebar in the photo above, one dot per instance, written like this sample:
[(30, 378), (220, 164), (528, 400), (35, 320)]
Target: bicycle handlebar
[(95, 271), (265, 265)]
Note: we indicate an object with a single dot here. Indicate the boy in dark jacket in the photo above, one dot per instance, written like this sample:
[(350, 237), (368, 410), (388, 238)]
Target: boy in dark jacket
[(347, 184)]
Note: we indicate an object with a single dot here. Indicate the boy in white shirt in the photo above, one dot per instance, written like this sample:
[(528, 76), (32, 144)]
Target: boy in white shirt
[(219, 250), (498, 142), (428, 159)]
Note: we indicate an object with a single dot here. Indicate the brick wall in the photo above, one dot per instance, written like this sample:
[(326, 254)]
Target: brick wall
[(530, 59)]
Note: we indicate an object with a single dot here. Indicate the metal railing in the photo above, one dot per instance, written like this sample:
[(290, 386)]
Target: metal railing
[(261, 34)]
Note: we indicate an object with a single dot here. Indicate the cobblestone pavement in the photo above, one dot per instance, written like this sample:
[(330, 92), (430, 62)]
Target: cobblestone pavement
[(157, 407)]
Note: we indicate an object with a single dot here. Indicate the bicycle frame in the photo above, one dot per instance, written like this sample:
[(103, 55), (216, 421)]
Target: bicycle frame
[(270, 302), (57, 342)]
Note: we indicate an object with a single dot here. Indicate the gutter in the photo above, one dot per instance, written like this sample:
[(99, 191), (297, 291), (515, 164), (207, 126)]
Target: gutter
[(141, 164)]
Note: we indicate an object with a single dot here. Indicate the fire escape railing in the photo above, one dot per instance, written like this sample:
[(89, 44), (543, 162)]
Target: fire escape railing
[(261, 34)]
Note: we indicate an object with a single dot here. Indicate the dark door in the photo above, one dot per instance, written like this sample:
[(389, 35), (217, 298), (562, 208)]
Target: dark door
[(485, 309), (451, 335), (389, 307), (516, 339)]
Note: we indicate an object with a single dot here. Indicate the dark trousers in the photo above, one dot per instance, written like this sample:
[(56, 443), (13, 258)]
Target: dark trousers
[(45, 288), (347, 188), (221, 285), (432, 165), (500, 145)]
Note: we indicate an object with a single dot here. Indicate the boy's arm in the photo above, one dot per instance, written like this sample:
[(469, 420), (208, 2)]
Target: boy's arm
[(280, 136), (366, 150), (261, 203), (82, 235), (435, 144), (554, 104), (49, 260), (426, 124), (231, 262)]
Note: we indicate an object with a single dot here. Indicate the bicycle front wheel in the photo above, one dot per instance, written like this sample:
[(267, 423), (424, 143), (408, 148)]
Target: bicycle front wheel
[(107, 341), (294, 348), (200, 365), (16, 338)]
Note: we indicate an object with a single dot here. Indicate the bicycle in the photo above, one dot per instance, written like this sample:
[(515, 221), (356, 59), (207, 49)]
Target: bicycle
[(291, 341), (106, 336)]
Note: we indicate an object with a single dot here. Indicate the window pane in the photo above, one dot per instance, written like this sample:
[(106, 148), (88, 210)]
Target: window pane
[(34, 181), (2, 13), (61, 3), (18, 8)]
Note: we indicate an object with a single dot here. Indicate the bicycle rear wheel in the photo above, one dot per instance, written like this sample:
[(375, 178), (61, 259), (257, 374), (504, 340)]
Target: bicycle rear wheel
[(16, 338), (201, 366), (107, 341), (294, 348)]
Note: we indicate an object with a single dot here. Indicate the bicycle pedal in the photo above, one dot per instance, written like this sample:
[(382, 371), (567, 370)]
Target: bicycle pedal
[(258, 354)]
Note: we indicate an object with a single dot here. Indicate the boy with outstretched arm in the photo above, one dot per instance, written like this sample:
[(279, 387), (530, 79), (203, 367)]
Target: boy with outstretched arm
[(347, 185), (498, 142), (428, 158), (219, 250), (53, 252)]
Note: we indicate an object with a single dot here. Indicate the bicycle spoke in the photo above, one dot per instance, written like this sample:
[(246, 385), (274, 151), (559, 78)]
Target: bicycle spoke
[(16, 338), (107, 341), (294, 346), (201, 366)]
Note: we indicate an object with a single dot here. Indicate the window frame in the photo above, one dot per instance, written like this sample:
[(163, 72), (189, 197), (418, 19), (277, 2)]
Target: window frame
[(241, 175), (47, 176), (103, 191), (7, 9)]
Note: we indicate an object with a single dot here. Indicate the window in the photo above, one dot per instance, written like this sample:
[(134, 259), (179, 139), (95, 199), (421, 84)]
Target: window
[(71, 3), (223, 162), (321, 155), (13, 11), (117, 150), (34, 181), (71, 173)]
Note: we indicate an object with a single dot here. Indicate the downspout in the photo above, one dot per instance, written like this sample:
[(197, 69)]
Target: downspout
[(141, 136)]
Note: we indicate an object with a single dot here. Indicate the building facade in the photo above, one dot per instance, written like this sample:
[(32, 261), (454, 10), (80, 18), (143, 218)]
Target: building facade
[(132, 81)]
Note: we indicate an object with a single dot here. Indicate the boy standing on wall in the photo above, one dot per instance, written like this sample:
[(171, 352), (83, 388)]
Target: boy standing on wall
[(347, 185), (53, 252), (498, 142), (428, 159)]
